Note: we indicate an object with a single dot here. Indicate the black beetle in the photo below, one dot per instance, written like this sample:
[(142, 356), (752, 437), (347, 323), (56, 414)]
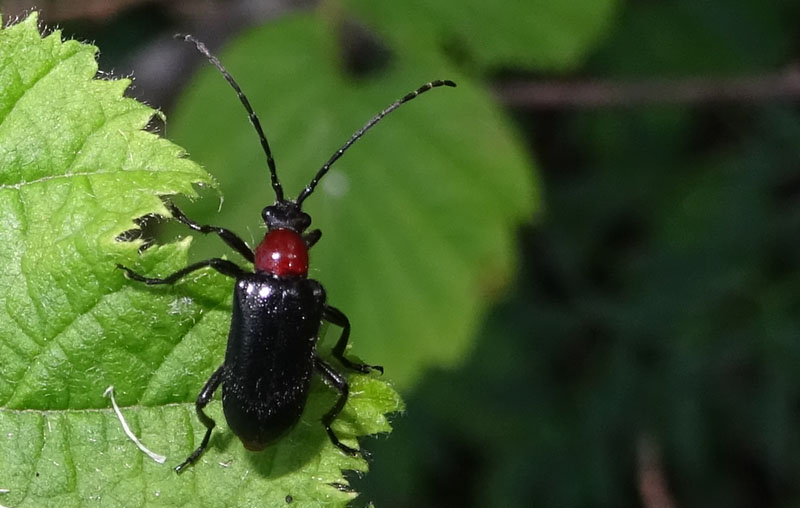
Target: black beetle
[(277, 311)]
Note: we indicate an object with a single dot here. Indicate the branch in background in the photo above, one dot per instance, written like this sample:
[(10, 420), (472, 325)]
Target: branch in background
[(55, 11), (651, 479), (589, 94), (100, 11)]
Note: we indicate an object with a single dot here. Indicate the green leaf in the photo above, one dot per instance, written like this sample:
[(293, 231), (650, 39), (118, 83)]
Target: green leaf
[(418, 218), (749, 39), (538, 34), (75, 169)]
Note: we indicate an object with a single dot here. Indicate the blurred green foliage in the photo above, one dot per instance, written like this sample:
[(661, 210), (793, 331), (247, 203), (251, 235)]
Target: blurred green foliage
[(418, 218), (659, 299), (485, 36)]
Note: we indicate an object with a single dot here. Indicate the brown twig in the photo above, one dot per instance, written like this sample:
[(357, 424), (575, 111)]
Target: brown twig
[(651, 478), (591, 94), (58, 11)]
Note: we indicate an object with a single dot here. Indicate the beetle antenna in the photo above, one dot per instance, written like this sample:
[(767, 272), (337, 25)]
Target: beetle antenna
[(276, 184), (360, 132)]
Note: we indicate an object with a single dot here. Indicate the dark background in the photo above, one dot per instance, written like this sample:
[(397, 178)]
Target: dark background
[(648, 352)]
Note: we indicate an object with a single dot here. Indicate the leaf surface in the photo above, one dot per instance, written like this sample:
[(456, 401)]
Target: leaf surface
[(76, 169), (535, 34)]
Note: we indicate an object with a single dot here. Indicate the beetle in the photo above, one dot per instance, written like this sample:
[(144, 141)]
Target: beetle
[(277, 310)]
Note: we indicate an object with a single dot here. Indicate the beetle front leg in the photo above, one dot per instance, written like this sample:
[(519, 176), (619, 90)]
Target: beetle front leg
[(227, 236), (223, 266), (338, 381), (202, 401), (338, 318)]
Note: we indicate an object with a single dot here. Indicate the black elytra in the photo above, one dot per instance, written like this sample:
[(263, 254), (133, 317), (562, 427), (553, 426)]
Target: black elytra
[(277, 311)]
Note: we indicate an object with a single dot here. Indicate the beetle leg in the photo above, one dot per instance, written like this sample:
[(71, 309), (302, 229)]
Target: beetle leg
[(202, 401), (338, 381), (228, 236), (223, 266), (312, 237), (338, 318)]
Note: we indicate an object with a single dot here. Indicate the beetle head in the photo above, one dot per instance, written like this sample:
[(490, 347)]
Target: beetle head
[(286, 214)]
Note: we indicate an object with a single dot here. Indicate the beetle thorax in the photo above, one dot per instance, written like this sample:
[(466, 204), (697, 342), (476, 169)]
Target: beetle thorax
[(283, 253)]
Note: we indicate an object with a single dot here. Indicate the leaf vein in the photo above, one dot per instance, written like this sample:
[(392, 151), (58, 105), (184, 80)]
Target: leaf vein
[(52, 343), (109, 410), (49, 178), (36, 459), (32, 85), (72, 477)]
